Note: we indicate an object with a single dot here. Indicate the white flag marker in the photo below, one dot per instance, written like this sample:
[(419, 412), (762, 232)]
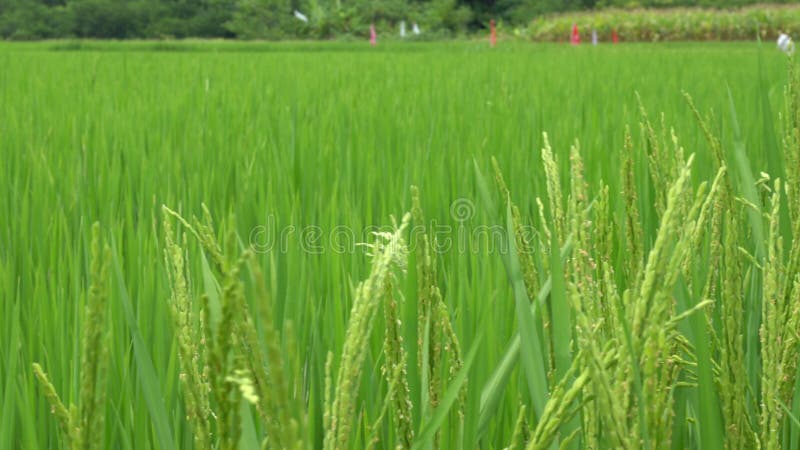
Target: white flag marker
[(785, 43), (300, 16), (415, 28)]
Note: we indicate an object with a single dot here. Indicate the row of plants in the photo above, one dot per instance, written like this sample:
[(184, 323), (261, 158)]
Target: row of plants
[(678, 24)]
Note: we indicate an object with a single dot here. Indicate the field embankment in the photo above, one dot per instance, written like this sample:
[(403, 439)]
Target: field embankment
[(679, 24)]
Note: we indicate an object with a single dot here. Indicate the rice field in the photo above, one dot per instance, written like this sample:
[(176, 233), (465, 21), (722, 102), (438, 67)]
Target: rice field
[(434, 245)]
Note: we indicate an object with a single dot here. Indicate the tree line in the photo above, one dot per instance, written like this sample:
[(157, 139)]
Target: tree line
[(274, 19)]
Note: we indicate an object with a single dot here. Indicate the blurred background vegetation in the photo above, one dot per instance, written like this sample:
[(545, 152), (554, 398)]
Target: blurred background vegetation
[(274, 19)]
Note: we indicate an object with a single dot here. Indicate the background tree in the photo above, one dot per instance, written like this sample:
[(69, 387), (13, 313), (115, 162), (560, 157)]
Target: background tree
[(273, 19), (264, 19)]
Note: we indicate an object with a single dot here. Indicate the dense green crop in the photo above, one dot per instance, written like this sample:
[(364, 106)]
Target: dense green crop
[(676, 24), (319, 300)]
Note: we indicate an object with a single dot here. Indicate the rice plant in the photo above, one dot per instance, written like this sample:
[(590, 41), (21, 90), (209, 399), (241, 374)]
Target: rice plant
[(606, 258)]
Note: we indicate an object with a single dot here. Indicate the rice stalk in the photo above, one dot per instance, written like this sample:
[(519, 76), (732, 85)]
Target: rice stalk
[(230, 363), (63, 417), (191, 344), (634, 235), (389, 253), (791, 141), (521, 435), (733, 381), (395, 372), (83, 425), (646, 328), (554, 194), (444, 352), (95, 349), (778, 333), (525, 252), (560, 407)]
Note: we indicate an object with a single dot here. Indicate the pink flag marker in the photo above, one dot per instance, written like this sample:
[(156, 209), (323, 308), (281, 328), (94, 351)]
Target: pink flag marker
[(492, 33), (575, 39), (373, 36)]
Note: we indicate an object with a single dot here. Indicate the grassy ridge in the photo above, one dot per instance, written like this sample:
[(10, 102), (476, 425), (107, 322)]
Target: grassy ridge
[(678, 24), (289, 140)]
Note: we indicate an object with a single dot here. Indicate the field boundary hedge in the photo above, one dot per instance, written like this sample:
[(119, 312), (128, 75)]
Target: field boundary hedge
[(678, 24)]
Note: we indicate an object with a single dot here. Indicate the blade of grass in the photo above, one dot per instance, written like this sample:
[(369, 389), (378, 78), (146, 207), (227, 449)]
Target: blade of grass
[(561, 330), (425, 367), (794, 433), (149, 381), (531, 352), (708, 416), (9, 393), (747, 189), (493, 390), (248, 439), (637, 373), (211, 287), (425, 436), (410, 308)]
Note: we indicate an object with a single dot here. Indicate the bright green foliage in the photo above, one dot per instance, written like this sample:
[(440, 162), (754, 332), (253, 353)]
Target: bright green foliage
[(343, 19), (653, 25), (82, 425), (629, 280)]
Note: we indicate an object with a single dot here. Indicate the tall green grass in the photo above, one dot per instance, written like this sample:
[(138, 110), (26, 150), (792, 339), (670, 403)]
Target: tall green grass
[(616, 289)]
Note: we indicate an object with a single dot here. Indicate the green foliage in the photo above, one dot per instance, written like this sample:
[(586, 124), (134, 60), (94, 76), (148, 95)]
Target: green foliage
[(647, 295), (246, 19), (650, 25), (34, 20), (683, 3), (263, 19), (104, 19), (82, 425), (274, 19)]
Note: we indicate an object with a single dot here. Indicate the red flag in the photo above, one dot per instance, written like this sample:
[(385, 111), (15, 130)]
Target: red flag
[(492, 33), (373, 36), (576, 35), (614, 36)]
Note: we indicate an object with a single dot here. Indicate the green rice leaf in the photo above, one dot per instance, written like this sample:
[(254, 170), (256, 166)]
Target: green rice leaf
[(531, 352), (425, 436), (148, 380)]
